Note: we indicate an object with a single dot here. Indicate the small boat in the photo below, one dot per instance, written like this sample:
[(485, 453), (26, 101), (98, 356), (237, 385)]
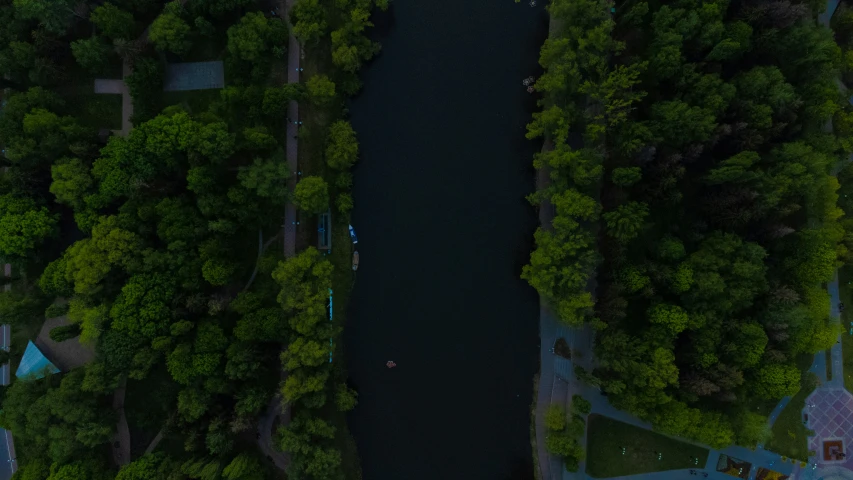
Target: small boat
[(355, 260), (352, 235)]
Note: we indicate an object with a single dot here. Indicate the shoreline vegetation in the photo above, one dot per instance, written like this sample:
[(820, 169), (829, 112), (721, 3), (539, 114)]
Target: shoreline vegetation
[(146, 241), (692, 175)]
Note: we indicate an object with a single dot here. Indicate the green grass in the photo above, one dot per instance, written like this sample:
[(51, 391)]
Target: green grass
[(788, 436), (606, 437), (98, 110)]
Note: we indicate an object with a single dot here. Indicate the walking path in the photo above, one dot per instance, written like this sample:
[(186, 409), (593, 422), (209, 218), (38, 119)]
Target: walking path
[(9, 467), (156, 441), (294, 51), (274, 409), (121, 438), (265, 427)]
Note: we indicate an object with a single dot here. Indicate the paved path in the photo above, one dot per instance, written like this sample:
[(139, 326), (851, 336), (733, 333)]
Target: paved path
[(265, 426), (156, 441), (293, 56), (121, 438), (274, 409), (9, 465), (774, 415), (115, 86)]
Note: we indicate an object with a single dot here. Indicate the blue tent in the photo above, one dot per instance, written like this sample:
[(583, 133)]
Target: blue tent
[(34, 364)]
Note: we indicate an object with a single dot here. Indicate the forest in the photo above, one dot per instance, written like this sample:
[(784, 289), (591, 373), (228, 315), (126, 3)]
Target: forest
[(162, 246), (697, 148)]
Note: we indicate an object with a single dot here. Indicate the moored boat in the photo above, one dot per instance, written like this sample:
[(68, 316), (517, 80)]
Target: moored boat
[(355, 260), (352, 235)]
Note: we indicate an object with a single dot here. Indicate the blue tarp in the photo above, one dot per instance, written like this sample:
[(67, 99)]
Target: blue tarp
[(34, 364)]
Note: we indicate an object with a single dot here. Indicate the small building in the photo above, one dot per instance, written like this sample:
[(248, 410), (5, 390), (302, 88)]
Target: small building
[(34, 364), (324, 231)]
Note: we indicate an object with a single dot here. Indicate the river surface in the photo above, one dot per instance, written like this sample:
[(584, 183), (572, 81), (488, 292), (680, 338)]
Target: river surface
[(444, 230)]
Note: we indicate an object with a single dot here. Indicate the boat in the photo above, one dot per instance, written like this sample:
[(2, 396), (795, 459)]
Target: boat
[(355, 260), (352, 235)]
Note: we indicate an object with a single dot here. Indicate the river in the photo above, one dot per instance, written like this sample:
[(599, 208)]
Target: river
[(444, 230)]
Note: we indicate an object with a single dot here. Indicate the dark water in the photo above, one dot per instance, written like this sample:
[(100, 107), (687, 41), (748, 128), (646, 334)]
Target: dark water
[(444, 230)]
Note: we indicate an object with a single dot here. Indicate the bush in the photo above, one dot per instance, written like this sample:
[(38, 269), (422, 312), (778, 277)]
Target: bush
[(555, 418), (312, 195), (580, 405), (56, 310), (65, 332)]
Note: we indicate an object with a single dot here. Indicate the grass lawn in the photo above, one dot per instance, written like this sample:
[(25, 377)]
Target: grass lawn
[(788, 436), (606, 437)]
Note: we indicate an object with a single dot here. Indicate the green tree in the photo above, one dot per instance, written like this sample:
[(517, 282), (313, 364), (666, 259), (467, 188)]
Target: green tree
[(312, 194), (23, 225), (71, 181), (775, 381), (267, 177), (308, 18), (254, 36), (54, 16), (627, 221), (218, 272), (626, 176), (735, 169), (728, 274), (112, 21), (305, 282), (244, 467), (304, 352), (564, 445), (151, 466), (555, 418), (276, 99), (679, 123), (306, 387), (345, 398), (341, 145), (169, 32), (320, 89), (671, 317), (142, 307), (344, 202), (580, 405), (193, 404)]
